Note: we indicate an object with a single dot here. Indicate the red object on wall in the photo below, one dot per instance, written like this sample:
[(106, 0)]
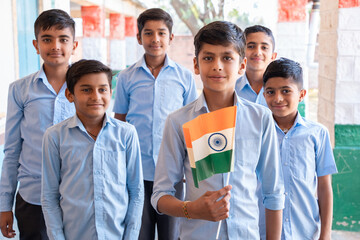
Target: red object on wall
[(93, 21), (117, 26), (292, 10), (130, 27), (349, 3)]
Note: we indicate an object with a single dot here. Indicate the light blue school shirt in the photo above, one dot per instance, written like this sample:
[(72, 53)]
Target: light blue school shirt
[(244, 90), (306, 154), (256, 155), (33, 106), (148, 101), (92, 189)]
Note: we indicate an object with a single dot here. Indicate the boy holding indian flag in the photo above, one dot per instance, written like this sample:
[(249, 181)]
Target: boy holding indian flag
[(217, 133)]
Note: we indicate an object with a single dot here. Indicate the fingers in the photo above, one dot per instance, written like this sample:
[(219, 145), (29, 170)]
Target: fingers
[(6, 224), (11, 231), (218, 204), (220, 193), (7, 231)]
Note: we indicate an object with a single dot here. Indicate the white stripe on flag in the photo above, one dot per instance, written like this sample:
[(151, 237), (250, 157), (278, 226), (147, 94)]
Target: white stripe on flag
[(217, 143)]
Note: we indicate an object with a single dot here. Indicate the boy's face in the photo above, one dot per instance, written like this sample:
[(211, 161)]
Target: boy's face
[(283, 95), (258, 51), (219, 67), (55, 46), (155, 38), (92, 94)]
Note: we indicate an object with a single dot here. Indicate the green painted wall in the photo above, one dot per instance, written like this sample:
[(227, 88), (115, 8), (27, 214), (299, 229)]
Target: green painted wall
[(113, 82), (346, 183), (301, 108)]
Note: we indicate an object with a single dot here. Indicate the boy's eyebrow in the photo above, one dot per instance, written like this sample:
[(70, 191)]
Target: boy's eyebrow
[(228, 52), (282, 87), (223, 53), (208, 53), (50, 36), (89, 85), (262, 43), (161, 29)]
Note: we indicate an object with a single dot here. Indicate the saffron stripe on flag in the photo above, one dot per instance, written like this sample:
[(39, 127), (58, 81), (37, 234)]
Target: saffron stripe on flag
[(209, 122)]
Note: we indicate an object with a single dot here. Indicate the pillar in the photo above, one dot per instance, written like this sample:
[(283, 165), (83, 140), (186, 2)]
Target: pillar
[(94, 45), (339, 103), (131, 41), (117, 41), (292, 32)]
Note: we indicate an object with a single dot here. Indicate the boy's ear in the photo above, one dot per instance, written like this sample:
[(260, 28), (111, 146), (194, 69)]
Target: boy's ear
[(138, 36), (35, 44), (171, 38), (242, 67), (302, 95), (273, 56), (75, 45), (196, 66), (69, 95)]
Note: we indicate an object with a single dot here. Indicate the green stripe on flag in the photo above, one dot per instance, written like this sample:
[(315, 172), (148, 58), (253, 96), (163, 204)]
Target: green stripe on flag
[(212, 164), (196, 183)]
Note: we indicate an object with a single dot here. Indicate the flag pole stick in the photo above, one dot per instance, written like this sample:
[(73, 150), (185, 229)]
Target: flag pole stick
[(219, 226)]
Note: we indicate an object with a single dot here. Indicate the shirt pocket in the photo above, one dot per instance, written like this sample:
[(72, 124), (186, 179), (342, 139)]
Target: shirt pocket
[(247, 152), (303, 163), (114, 166), (172, 96)]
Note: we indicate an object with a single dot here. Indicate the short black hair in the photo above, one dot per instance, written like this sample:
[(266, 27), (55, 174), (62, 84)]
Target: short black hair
[(284, 68), (84, 67), (155, 14), (54, 18), (220, 33), (260, 28)]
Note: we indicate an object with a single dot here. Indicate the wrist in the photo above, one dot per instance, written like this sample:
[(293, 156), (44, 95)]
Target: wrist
[(186, 210)]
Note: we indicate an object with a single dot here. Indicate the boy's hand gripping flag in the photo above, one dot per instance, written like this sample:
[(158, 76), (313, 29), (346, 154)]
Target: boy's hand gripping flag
[(210, 142)]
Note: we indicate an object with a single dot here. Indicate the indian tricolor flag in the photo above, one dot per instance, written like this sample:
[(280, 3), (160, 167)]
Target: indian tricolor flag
[(210, 142)]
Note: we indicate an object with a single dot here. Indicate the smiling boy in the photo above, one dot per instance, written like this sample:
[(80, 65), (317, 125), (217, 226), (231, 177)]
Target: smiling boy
[(92, 186), (35, 103), (219, 59), (146, 93), (259, 52), (306, 155)]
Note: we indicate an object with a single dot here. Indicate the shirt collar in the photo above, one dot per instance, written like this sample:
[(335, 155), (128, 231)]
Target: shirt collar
[(299, 120), (201, 102), (243, 81), (76, 122), (167, 62), (41, 75)]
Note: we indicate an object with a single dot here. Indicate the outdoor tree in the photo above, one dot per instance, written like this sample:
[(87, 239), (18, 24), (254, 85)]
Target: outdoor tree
[(197, 13), (195, 16)]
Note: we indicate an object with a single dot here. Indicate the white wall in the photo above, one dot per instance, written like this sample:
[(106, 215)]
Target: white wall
[(7, 53)]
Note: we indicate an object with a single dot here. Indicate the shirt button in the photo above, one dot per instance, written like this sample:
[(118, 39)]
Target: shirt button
[(97, 172), (286, 164), (286, 219), (286, 193), (98, 198)]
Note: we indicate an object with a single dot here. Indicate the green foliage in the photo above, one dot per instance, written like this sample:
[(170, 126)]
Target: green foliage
[(243, 19)]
